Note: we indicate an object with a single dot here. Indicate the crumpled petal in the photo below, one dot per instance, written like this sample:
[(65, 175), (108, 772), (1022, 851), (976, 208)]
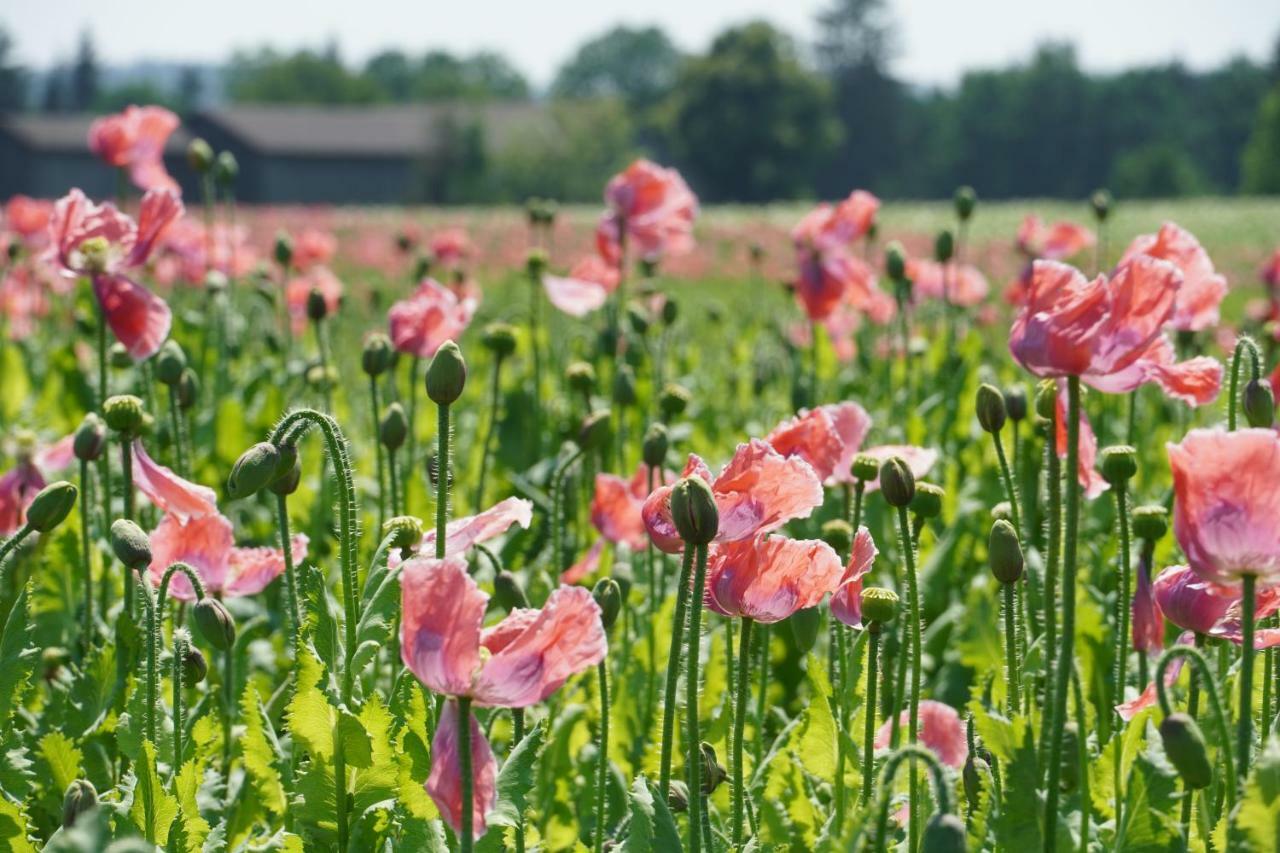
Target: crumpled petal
[(941, 732), (586, 566), (138, 318), (442, 610), (768, 578), (169, 492), (846, 601), (444, 784), (461, 534)]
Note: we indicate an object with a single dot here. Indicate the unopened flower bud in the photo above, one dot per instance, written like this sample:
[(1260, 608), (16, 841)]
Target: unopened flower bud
[(693, 509), (596, 430), (507, 591), (170, 362), (214, 622), (944, 246), (637, 319), (609, 597), (199, 155), (927, 502), (188, 389), (194, 666), (447, 375), (1259, 404), (404, 531), (91, 438), (317, 307), (879, 605), (678, 797), (80, 797), (51, 506), (670, 311), (1184, 745), (123, 413), (655, 444), (226, 169), (375, 358), (1004, 553), (897, 483), (254, 470), (624, 385), (499, 339), (838, 533), (713, 773), (944, 833), (394, 427), (535, 264), (580, 376), (1003, 511), (1150, 522), (284, 250), (1015, 403), (1118, 464), (674, 400), (865, 467), (974, 777), (130, 544), (965, 201), (895, 262), (1101, 203), (990, 408), (1047, 399)]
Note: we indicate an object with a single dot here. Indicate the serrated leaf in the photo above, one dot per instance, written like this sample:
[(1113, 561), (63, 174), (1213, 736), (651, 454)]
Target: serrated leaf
[(322, 621), (164, 806), (257, 753), (61, 760), (816, 735), (357, 747), (378, 780), (17, 658), (13, 828), (311, 717), (652, 826), (516, 778)]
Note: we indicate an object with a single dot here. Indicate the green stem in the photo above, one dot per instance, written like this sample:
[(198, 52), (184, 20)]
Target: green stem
[(1053, 547), (941, 790), (495, 394), (739, 726), (762, 649), (442, 478), (694, 748), (180, 646), (375, 407), (517, 735), (290, 573), (1196, 659), (602, 759), (913, 692), (412, 451), (229, 704), (673, 673), (86, 559), (1193, 706), (175, 424), (153, 655), (1082, 747), (869, 735), (393, 482), (1010, 647), (465, 839), (1244, 737), (559, 516), (126, 466), (535, 311), (1244, 342)]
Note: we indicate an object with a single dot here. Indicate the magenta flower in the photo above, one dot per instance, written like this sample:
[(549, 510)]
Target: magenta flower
[(19, 485), (653, 206), (135, 140), (1202, 289), (768, 578), (420, 324), (846, 601)]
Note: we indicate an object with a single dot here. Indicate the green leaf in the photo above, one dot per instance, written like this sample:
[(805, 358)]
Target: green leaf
[(17, 658), (13, 828), (816, 746), (164, 804), (311, 717), (258, 754), (357, 747), (61, 760), (377, 781), (1258, 817), (321, 616), (652, 826), (516, 778)]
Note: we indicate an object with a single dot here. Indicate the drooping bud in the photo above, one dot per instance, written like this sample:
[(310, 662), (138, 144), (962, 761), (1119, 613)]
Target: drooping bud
[(317, 307), (130, 544), (1015, 403), (1259, 404), (674, 400), (580, 376), (1150, 522), (447, 375), (1101, 203), (1047, 399), (535, 264), (897, 483), (284, 250), (693, 509), (944, 246), (974, 777), (927, 502), (499, 339), (596, 430), (375, 358), (895, 262), (838, 533), (226, 169), (879, 606), (91, 438), (405, 531), (507, 591), (51, 506), (214, 622), (944, 833), (188, 389), (624, 385), (965, 200), (866, 467), (990, 408), (1003, 511), (170, 362), (1185, 747), (1004, 553), (670, 311), (393, 430), (655, 444), (80, 797), (1118, 464), (254, 470), (609, 597), (712, 771), (804, 628), (199, 155), (637, 319), (124, 414), (194, 666)]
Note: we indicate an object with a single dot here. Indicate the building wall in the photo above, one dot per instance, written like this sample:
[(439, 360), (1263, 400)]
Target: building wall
[(51, 174), (336, 180)]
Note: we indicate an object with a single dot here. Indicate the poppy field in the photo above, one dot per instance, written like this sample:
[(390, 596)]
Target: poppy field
[(857, 526)]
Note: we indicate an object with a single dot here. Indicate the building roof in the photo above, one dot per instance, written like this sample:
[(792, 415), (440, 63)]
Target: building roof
[(66, 133)]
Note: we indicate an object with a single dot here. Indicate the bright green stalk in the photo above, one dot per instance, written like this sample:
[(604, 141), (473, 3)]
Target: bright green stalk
[(1244, 736), (465, 840), (869, 735), (1011, 651), (290, 573), (739, 726), (913, 691), (374, 408), (602, 755), (442, 478), (495, 395), (694, 745), (673, 672)]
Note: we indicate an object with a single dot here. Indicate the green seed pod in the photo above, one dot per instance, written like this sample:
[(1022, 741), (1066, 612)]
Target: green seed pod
[(1150, 522), (499, 339), (1259, 404), (637, 319), (838, 533), (609, 597), (596, 430), (130, 544), (1047, 399), (897, 483), (535, 264), (804, 628), (1101, 203), (405, 531), (91, 438), (194, 666), (256, 468), (713, 773), (944, 246), (1184, 745), (284, 250), (965, 201), (317, 307), (866, 467), (654, 447), (879, 605), (927, 502), (694, 511), (188, 389), (674, 400), (990, 408), (895, 262), (1004, 553), (170, 362), (226, 169), (624, 385), (974, 777), (393, 431), (1118, 464), (80, 797), (580, 376), (944, 833), (51, 506), (508, 592), (375, 358), (214, 622), (1015, 403), (447, 375), (124, 414), (670, 311), (199, 155)]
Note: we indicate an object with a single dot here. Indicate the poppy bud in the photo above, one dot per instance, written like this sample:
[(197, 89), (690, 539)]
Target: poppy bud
[(879, 606), (944, 833), (226, 169), (621, 575), (838, 533), (670, 311), (284, 249), (1184, 745), (678, 797), (673, 400), (405, 531), (1150, 522), (944, 246), (188, 389), (974, 777), (1004, 553), (965, 200), (712, 771), (637, 318), (990, 408), (654, 447), (123, 413), (170, 362), (199, 155), (194, 666), (624, 385), (865, 467), (1002, 511), (1101, 203), (254, 470), (394, 428), (804, 627), (895, 261), (927, 502), (447, 375), (1118, 464), (596, 430), (499, 339), (130, 544), (897, 483), (80, 797), (91, 438), (375, 359), (609, 597), (214, 622), (1259, 404), (1047, 399), (317, 307), (507, 591), (693, 509), (321, 377), (535, 263), (51, 506), (580, 377), (1015, 403), (215, 282)]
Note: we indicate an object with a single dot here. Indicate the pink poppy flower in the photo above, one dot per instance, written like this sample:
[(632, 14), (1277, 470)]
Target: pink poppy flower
[(173, 495), (314, 248), (586, 287), (1202, 291), (298, 291), (1194, 382), (617, 505), (656, 209), (420, 324), (827, 437), (846, 601), (962, 285), (1148, 623), (1227, 502), (767, 578), (207, 544), (941, 732), (1091, 480), (450, 247), (829, 273), (1270, 272), (29, 218), (758, 491), (1054, 242), (1073, 327), (919, 459), (586, 566), (837, 226), (20, 484), (444, 784), (135, 140), (101, 242), (1203, 607), (461, 534)]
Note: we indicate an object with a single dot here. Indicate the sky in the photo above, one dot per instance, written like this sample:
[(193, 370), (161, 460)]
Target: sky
[(938, 39)]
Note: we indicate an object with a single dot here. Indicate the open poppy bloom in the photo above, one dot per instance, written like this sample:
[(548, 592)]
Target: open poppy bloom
[(28, 218), (759, 490), (1197, 605), (653, 207), (616, 507), (829, 273), (450, 247), (314, 247), (941, 732), (1203, 289), (584, 289), (846, 601), (1055, 242), (1227, 499), (101, 242), (135, 140), (516, 663), (768, 578), (958, 284), (1195, 382), (827, 437), (432, 315), (20, 484), (461, 534), (299, 288)]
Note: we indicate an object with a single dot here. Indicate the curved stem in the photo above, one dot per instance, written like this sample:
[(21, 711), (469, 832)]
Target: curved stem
[(869, 736), (1244, 342), (602, 759), (913, 692), (739, 726), (891, 765), (162, 594), (673, 673), (694, 746), (1197, 660)]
